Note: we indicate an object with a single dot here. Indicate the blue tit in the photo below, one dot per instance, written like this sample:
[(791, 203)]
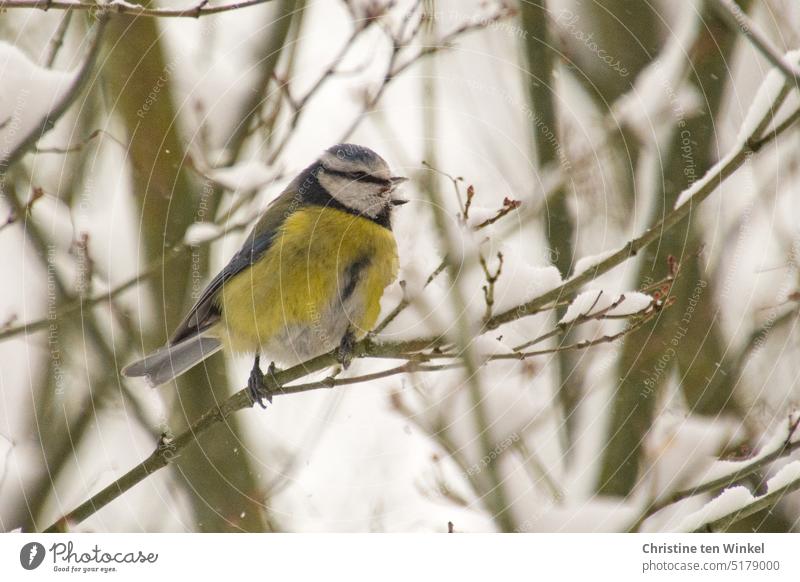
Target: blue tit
[(308, 278)]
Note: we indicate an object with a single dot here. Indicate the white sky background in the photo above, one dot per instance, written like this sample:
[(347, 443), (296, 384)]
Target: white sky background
[(360, 465)]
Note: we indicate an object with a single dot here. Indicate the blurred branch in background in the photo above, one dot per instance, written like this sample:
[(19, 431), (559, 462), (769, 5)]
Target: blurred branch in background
[(700, 359), (541, 62), (222, 486)]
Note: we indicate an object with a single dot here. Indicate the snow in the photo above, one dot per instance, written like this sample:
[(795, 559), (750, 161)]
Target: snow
[(763, 102), (678, 447), (585, 263), (485, 346), (712, 173), (634, 302), (788, 474), (521, 282), (737, 498), (200, 232), (29, 93), (595, 300), (729, 501), (117, 4), (765, 99), (772, 443), (249, 175)]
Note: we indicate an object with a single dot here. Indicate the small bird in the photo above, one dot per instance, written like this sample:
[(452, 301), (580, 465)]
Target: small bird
[(308, 279)]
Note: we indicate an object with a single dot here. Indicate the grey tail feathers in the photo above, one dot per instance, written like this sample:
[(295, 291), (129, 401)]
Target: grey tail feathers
[(173, 360)]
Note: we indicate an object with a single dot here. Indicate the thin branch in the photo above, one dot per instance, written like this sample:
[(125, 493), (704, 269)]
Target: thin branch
[(121, 7), (165, 453), (58, 39), (702, 189), (491, 280), (403, 39), (736, 19), (598, 315)]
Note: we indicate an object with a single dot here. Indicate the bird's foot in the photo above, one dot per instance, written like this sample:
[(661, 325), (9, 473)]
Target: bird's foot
[(346, 348), (256, 387)]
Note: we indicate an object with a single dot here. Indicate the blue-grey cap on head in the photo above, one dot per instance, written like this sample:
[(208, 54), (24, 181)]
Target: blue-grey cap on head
[(358, 178), (355, 153)]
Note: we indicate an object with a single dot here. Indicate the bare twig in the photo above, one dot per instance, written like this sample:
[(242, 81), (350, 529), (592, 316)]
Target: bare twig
[(598, 315), (509, 206), (58, 39), (491, 279), (117, 7)]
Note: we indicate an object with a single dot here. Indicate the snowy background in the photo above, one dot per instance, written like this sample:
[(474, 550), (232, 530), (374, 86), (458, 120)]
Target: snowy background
[(184, 129)]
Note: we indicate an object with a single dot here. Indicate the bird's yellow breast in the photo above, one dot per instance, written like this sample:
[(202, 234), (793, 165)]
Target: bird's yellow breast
[(325, 271)]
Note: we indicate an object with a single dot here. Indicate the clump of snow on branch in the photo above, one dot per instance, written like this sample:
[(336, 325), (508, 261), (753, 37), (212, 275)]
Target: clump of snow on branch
[(200, 232), (729, 501), (679, 447), (787, 475), (765, 102), (766, 99), (590, 261), (775, 441), (244, 176), (523, 282), (29, 94)]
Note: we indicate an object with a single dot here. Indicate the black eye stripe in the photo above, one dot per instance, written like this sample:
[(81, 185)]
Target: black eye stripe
[(359, 177)]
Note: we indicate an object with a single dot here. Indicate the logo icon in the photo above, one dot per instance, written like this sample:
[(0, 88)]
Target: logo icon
[(31, 555)]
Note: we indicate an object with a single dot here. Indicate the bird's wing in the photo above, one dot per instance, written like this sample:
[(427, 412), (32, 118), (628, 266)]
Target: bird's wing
[(205, 312)]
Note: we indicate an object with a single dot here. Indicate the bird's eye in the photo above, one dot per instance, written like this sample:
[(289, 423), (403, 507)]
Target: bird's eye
[(358, 175)]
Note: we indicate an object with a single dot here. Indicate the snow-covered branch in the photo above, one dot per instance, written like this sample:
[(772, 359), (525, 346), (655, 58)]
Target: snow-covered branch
[(67, 91)]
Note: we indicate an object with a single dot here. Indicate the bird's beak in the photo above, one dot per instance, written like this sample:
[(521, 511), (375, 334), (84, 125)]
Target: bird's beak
[(395, 181)]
